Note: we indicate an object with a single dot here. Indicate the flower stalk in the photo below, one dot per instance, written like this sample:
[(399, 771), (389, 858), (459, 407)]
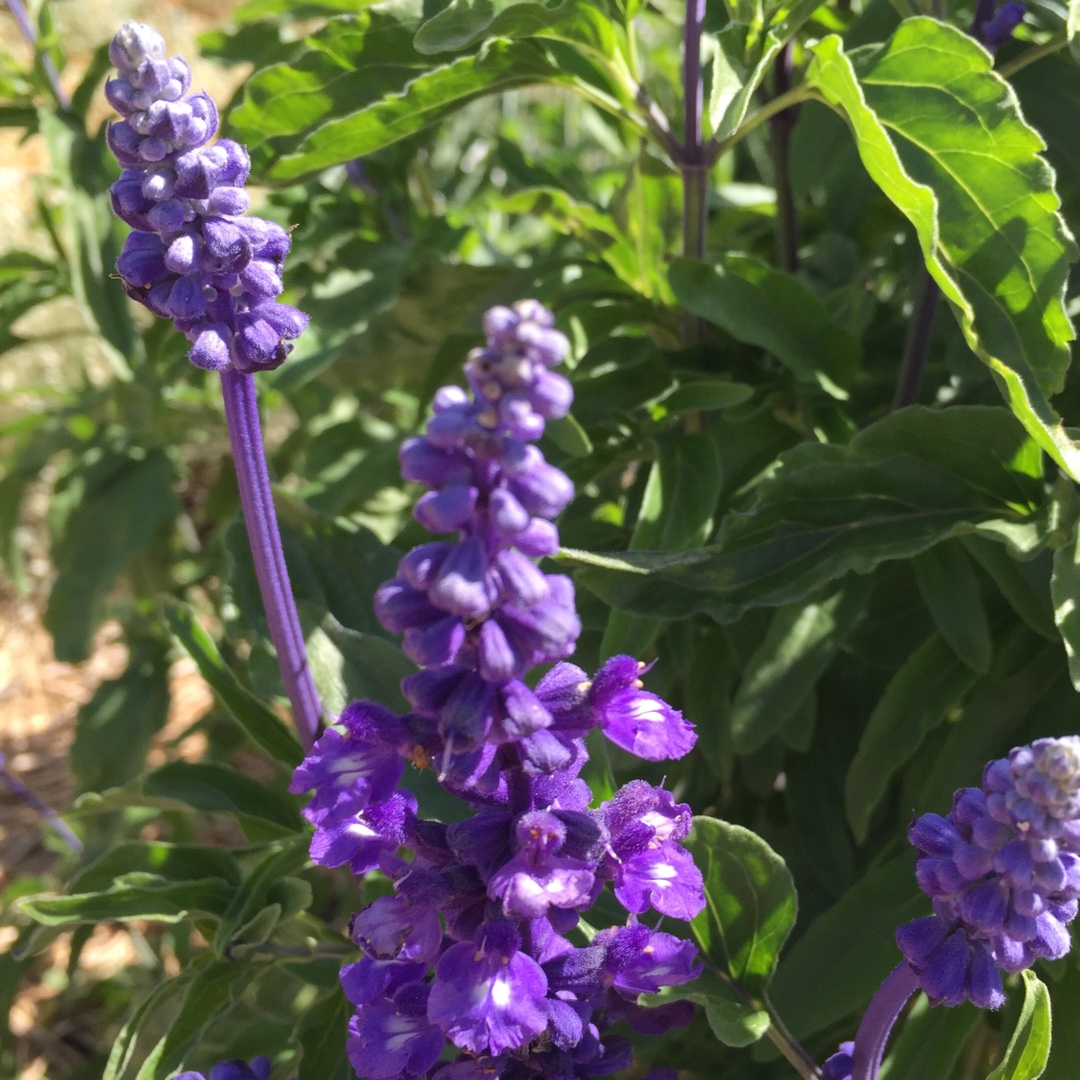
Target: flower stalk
[(195, 258), (264, 538)]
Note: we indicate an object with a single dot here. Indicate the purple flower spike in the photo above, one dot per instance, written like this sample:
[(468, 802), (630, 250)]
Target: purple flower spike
[(222, 272), (471, 947), (1002, 869)]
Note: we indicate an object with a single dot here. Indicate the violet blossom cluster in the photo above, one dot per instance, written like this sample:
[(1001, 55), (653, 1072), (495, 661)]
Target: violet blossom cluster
[(192, 257), (466, 968), (1003, 871), (257, 1069)]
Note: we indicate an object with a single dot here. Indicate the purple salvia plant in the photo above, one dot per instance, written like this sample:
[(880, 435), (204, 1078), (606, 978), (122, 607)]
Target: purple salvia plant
[(470, 950), (193, 258), (1003, 872)]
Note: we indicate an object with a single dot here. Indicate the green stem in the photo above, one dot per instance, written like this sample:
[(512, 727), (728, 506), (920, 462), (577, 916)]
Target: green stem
[(1036, 52), (777, 1033), (718, 147)]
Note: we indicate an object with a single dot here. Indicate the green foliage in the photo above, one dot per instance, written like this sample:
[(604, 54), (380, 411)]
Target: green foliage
[(858, 601), (1029, 1048)]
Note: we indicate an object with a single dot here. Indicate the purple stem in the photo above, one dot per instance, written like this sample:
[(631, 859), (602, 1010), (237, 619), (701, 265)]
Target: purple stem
[(878, 1021), (21, 791), (249, 457), (917, 345), (691, 161), (29, 31), (780, 128)]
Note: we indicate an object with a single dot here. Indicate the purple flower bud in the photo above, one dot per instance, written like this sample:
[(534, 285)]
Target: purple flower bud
[(446, 510), (134, 43)]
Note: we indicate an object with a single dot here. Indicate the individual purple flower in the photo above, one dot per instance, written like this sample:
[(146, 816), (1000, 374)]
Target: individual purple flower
[(648, 865), (360, 840), (347, 769), (631, 717), (838, 1067), (993, 28), (640, 961), (488, 994), (392, 1037), (540, 875), (191, 257)]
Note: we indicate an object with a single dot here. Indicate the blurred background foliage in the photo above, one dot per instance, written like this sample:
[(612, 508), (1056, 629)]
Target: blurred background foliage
[(855, 604)]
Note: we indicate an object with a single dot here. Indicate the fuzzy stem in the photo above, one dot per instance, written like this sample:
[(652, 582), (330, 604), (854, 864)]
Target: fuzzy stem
[(878, 1021), (917, 345), (21, 791), (780, 128), (249, 457), (29, 31), (691, 162)]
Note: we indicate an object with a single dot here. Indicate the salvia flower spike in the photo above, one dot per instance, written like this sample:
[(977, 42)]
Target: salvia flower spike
[(469, 953), (1002, 869), (193, 257)]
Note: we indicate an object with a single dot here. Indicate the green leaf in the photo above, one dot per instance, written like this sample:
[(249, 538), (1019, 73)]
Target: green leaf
[(323, 1038), (943, 138), (760, 305), (750, 902), (215, 788), (123, 1050), (1021, 583), (252, 896), (264, 727), (633, 262), (854, 941), (732, 1016), (676, 513), (172, 862), (1029, 671), (948, 586), (1065, 998), (207, 998), (464, 23), (112, 522), (133, 896), (915, 478), (568, 435), (334, 564), (348, 665), (799, 645), (361, 85), (707, 396), (1029, 1048), (1065, 591), (918, 698), (114, 729)]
